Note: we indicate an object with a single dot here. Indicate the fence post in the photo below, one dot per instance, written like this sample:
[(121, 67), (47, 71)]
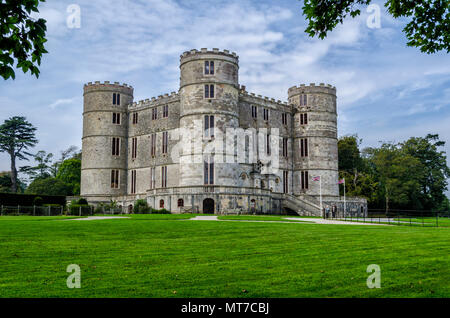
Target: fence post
[(421, 213), (80, 209), (437, 219), (61, 210), (34, 210), (1, 212), (18, 210)]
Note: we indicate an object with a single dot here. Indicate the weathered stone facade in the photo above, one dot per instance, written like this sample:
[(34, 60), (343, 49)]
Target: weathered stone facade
[(252, 161)]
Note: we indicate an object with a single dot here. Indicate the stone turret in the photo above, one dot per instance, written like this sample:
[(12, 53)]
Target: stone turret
[(315, 123), (104, 118), (201, 70)]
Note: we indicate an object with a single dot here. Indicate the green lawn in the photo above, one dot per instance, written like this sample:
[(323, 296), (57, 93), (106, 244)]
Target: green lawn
[(163, 256), (274, 218)]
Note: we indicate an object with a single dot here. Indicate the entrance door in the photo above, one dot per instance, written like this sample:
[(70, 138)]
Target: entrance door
[(208, 206)]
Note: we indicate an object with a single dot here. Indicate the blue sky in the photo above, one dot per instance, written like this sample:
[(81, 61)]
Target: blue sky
[(386, 90)]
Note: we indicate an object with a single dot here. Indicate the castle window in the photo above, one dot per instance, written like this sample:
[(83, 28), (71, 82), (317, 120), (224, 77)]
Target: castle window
[(208, 171), (152, 178), (161, 204), (209, 126), (180, 203), (284, 118), (116, 118), (165, 141), (285, 147), (268, 144), (266, 114), (303, 100), (134, 148), (153, 145), (114, 179), (164, 177), (116, 146), (304, 175), (303, 119), (116, 99), (155, 113), (254, 112), (209, 91), (165, 111), (285, 182), (304, 147), (209, 67), (133, 181), (135, 118)]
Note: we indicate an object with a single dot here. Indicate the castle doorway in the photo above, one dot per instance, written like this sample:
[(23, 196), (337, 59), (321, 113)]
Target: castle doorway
[(208, 206)]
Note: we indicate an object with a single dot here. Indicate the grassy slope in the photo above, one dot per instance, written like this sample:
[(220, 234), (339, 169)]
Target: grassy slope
[(146, 257)]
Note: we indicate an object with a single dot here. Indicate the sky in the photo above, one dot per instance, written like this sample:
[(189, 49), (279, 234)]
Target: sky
[(386, 90)]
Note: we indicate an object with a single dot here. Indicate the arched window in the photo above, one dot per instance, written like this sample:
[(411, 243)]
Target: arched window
[(180, 203), (161, 204)]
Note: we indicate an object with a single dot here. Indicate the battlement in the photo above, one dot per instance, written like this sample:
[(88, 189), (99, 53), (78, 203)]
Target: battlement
[(215, 51), (107, 85), (259, 99), (311, 89), (154, 101)]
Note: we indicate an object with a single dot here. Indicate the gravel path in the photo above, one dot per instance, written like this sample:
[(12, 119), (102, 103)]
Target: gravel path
[(311, 220), (93, 218)]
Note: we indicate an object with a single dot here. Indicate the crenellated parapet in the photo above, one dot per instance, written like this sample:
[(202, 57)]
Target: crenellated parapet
[(204, 53), (155, 101), (261, 100), (312, 89), (108, 86)]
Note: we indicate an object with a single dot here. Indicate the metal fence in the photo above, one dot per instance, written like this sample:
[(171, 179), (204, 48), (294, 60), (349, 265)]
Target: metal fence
[(31, 210), (394, 217)]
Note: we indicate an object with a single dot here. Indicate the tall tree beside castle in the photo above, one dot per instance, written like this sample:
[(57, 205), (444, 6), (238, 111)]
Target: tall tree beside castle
[(16, 136), (22, 38), (429, 28)]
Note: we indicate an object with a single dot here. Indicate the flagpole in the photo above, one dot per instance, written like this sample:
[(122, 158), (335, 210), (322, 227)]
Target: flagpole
[(320, 186)]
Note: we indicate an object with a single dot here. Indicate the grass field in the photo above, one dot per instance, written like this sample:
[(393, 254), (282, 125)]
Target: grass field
[(166, 256)]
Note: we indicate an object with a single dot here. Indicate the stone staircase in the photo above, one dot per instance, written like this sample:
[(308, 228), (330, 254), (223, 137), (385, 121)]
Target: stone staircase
[(303, 207)]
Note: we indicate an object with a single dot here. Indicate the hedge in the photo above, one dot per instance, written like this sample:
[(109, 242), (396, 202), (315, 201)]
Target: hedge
[(14, 199)]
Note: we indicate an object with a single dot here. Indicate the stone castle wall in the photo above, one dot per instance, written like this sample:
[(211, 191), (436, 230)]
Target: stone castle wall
[(239, 187)]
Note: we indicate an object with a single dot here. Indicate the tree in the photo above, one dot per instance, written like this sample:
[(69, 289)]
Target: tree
[(16, 136), (429, 28), (48, 186), (435, 170), (43, 169), (70, 173), (398, 173), (22, 38), (5, 183)]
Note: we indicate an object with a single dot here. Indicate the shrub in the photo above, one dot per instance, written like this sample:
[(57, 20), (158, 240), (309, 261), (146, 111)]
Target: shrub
[(74, 209), (82, 201), (162, 211), (141, 207), (38, 201)]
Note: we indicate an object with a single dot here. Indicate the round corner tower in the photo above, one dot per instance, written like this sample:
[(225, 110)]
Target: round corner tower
[(105, 130), (209, 89), (315, 140)]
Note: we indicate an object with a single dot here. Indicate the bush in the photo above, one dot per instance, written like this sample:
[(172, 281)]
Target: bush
[(82, 201), (38, 201), (74, 209), (13, 199), (141, 207), (162, 211)]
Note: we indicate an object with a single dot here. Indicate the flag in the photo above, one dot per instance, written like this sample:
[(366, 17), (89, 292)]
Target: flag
[(341, 181), (316, 178)]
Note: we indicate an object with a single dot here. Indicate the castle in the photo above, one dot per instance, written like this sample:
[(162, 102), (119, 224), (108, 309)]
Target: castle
[(212, 147)]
